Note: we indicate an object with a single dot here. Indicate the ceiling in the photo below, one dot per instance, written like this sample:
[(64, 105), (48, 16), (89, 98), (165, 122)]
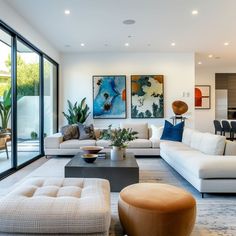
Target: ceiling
[(98, 24)]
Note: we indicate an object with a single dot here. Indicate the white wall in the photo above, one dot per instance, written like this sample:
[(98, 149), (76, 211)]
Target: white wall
[(78, 69), (205, 75), (20, 25)]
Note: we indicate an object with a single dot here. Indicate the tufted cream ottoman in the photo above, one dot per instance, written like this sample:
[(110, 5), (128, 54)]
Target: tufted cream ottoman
[(57, 206)]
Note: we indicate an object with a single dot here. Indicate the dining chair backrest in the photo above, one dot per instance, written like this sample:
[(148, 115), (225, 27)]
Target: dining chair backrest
[(233, 125), (217, 125), (226, 126)]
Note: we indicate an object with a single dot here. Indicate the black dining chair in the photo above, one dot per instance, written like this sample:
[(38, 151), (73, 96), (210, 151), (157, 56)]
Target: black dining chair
[(218, 127), (233, 128), (226, 128)]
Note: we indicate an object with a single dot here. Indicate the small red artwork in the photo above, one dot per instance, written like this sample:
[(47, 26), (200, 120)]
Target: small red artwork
[(202, 97)]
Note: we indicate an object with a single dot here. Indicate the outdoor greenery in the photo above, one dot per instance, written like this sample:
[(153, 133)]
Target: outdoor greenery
[(27, 77), (77, 112), (118, 137), (5, 108)]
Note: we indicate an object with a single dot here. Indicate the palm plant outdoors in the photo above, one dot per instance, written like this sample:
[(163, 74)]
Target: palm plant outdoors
[(77, 112), (5, 108)]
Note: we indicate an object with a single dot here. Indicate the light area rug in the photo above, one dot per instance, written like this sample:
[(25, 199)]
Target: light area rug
[(216, 214)]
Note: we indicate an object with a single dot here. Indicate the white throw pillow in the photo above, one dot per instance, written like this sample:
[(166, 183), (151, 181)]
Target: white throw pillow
[(156, 131), (212, 144)]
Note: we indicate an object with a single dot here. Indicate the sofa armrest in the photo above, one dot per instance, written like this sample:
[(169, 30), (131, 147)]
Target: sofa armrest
[(155, 142), (53, 141)]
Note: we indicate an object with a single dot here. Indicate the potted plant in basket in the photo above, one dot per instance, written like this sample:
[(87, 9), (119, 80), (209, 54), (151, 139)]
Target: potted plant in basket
[(119, 139)]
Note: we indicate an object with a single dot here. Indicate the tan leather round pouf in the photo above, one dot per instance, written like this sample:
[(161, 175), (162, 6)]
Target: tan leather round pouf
[(151, 209)]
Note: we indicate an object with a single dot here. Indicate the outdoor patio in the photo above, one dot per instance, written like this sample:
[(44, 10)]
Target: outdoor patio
[(27, 149)]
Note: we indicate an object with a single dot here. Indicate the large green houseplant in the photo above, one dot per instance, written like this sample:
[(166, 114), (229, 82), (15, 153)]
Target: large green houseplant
[(119, 140), (77, 112), (5, 108)]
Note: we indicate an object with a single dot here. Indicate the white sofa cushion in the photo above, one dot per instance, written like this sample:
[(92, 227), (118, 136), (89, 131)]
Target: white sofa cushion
[(57, 206), (140, 143), (75, 143), (201, 165), (187, 136), (212, 144), (103, 143), (207, 143), (196, 140), (141, 128), (230, 148)]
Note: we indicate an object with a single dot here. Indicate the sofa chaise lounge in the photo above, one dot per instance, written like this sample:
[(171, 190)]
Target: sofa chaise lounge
[(205, 160)]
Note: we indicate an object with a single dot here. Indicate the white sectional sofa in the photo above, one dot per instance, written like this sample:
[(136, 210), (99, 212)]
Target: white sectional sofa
[(205, 160), (144, 145)]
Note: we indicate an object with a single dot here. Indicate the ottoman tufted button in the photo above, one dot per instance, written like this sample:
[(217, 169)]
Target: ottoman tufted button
[(48, 191), (57, 207), (69, 191)]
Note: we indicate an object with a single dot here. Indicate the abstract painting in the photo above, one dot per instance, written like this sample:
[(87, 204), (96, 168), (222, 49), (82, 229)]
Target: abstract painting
[(202, 97), (109, 97), (147, 96)]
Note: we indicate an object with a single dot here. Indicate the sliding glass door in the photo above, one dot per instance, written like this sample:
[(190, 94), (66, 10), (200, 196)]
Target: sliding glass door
[(50, 97), (28, 100), (28, 106), (5, 101)]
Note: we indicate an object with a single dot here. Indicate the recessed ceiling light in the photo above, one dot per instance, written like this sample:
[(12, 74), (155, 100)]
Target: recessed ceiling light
[(173, 44), (194, 12), (127, 44), (210, 55), (82, 44), (226, 43), (199, 63), (67, 12), (129, 22)]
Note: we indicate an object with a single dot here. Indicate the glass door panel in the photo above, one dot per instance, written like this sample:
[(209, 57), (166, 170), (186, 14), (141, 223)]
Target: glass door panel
[(28, 103), (5, 102), (50, 98)]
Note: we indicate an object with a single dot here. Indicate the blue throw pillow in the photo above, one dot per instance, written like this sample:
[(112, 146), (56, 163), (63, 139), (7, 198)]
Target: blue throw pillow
[(173, 132)]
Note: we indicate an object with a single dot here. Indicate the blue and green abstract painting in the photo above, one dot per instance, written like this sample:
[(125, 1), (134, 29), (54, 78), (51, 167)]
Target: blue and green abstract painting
[(109, 97), (147, 100)]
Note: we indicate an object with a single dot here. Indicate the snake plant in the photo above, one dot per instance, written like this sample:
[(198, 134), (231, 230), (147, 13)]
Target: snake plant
[(77, 112)]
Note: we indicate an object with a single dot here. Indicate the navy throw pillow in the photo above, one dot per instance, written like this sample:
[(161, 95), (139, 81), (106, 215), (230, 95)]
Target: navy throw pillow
[(173, 132)]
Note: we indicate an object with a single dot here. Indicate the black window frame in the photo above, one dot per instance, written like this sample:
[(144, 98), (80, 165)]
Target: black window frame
[(16, 36)]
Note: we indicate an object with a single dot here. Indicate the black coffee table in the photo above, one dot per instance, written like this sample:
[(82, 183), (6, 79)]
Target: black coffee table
[(119, 173)]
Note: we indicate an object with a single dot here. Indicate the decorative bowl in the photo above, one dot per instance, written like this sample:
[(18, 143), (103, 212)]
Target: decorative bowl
[(89, 158), (91, 149)]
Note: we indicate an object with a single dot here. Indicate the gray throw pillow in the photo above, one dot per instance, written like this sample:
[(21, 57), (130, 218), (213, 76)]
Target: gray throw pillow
[(86, 132), (70, 132)]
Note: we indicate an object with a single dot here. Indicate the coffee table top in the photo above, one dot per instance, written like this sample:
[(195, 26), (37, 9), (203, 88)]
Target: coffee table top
[(129, 161)]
